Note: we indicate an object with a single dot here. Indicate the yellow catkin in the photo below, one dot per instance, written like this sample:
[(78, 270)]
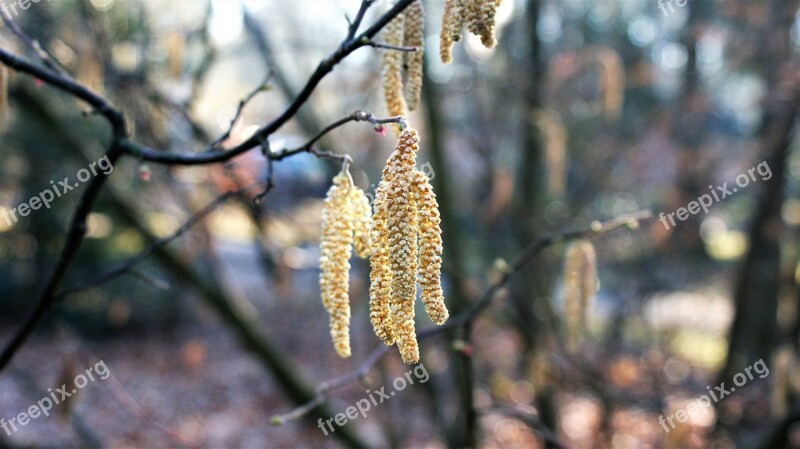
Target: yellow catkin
[(335, 250), (392, 68), (612, 82), (481, 20), (402, 225), (362, 216), (452, 23), (380, 289), (554, 135), (414, 36), (3, 96), (406, 245), (580, 285), (430, 248)]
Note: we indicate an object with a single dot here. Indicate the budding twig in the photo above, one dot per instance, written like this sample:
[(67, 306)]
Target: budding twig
[(242, 103), (129, 265), (357, 116), (385, 46)]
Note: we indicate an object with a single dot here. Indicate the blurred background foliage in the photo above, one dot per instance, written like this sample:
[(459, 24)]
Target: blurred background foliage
[(586, 110)]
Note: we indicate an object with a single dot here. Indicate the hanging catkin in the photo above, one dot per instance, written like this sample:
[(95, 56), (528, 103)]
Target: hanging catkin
[(414, 36), (345, 222), (392, 68), (452, 23), (403, 231), (3, 96), (406, 243), (580, 285), (362, 216), (479, 16), (481, 20), (380, 289), (430, 248)]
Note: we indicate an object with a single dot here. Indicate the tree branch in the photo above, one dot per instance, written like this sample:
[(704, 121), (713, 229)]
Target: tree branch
[(73, 242), (112, 114), (239, 109), (135, 260), (358, 116), (210, 156), (120, 145)]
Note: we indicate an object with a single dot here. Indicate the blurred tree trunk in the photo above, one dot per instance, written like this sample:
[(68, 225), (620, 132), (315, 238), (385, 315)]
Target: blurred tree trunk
[(463, 430), (531, 289), (754, 333)]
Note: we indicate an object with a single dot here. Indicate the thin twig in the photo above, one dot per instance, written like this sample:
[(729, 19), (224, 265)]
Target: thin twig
[(532, 421), (129, 264), (374, 44), (270, 181), (69, 252), (83, 352), (362, 11), (149, 280), (358, 116), (46, 58), (112, 114), (210, 155), (596, 229), (242, 103)]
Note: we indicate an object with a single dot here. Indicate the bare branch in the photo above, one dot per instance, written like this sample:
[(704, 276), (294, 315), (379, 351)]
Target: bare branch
[(374, 44), (260, 88), (72, 244), (362, 10), (112, 114), (210, 155), (47, 59), (128, 265), (358, 116)]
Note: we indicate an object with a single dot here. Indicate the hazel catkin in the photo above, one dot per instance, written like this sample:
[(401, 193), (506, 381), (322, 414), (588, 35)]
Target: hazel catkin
[(430, 249), (580, 285), (406, 245), (345, 223), (3, 96), (402, 243), (479, 16), (380, 289), (392, 68), (481, 20), (414, 36), (452, 23)]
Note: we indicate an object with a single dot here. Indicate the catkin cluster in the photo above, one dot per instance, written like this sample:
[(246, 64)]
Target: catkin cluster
[(346, 224), (580, 285), (406, 248), (405, 30), (477, 15)]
